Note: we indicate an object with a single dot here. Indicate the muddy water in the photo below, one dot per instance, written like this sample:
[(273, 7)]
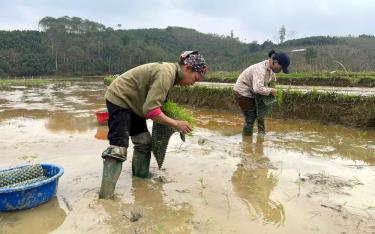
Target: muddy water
[(302, 177)]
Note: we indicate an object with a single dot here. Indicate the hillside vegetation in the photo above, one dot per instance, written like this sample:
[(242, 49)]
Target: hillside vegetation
[(74, 46)]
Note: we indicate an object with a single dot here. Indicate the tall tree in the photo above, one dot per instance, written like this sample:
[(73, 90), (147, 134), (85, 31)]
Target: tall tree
[(310, 55), (282, 33)]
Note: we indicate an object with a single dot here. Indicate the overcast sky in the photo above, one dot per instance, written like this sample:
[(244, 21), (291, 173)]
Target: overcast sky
[(249, 19)]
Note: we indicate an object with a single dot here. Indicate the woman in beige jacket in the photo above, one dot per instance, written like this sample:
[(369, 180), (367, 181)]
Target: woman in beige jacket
[(252, 85)]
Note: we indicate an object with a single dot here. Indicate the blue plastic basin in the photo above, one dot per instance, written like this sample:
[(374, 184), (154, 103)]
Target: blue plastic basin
[(31, 195)]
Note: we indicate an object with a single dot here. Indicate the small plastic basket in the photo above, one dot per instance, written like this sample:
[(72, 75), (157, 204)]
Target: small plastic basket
[(34, 194), (102, 116)]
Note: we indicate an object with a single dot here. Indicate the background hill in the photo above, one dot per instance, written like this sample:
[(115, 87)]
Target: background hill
[(74, 46)]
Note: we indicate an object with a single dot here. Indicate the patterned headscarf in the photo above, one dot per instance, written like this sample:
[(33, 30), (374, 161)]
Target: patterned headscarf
[(195, 60)]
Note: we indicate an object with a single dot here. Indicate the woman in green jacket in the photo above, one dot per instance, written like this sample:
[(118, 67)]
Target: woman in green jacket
[(135, 96)]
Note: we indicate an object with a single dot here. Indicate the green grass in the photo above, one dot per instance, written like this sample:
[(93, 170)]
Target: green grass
[(353, 77), (206, 91), (108, 79), (314, 95), (327, 74), (42, 80), (26, 82)]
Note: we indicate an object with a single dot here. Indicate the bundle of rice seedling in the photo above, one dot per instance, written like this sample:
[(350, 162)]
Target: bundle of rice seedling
[(162, 133), (21, 176), (264, 104)]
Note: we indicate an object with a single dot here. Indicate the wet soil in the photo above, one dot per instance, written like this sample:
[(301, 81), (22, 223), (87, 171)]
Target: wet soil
[(301, 177)]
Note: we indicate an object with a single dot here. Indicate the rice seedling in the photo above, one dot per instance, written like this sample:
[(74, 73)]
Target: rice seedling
[(201, 182), (162, 133), (21, 176)]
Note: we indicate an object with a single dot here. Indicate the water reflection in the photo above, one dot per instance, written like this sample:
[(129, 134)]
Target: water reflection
[(225, 123), (307, 137), (42, 219), (168, 217), (11, 114), (324, 140), (70, 122), (101, 132), (149, 213), (253, 182), (65, 107)]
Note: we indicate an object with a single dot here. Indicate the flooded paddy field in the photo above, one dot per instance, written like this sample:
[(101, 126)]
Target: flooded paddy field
[(302, 177)]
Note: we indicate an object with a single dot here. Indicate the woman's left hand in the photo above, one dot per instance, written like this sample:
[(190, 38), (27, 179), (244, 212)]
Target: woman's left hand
[(274, 92)]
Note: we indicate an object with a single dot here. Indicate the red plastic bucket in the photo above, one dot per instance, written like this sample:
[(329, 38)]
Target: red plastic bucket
[(102, 116)]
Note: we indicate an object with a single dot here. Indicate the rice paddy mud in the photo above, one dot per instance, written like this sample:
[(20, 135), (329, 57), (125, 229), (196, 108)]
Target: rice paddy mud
[(302, 177)]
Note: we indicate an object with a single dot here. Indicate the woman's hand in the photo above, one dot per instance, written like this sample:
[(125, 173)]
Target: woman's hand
[(183, 127), (273, 92)]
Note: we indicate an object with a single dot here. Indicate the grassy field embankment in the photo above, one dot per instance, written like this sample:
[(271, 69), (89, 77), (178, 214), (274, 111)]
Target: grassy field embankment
[(348, 110), (326, 107), (341, 79)]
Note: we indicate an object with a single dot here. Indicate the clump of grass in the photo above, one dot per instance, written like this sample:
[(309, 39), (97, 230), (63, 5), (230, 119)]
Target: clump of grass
[(108, 79), (202, 183), (280, 97), (134, 215)]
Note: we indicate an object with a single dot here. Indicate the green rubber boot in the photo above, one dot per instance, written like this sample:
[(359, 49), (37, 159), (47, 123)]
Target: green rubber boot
[(250, 117), (141, 164), (263, 106), (261, 127), (111, 172), (141, 155)]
